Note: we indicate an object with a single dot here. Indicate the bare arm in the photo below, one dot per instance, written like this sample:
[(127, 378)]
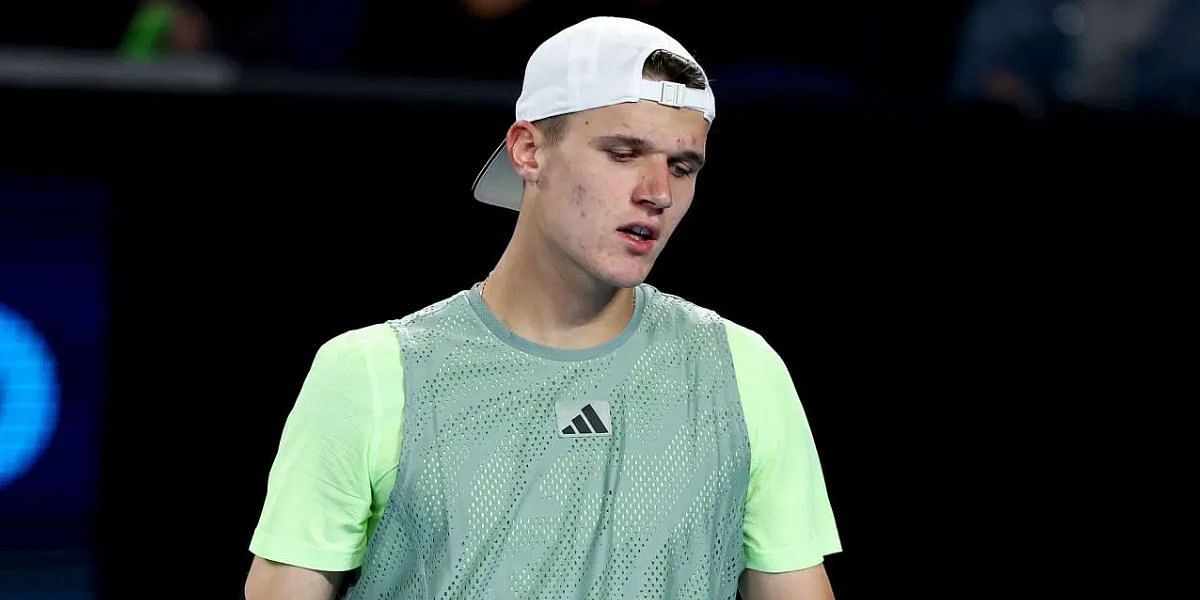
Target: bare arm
[(805, 584), (269, 580)]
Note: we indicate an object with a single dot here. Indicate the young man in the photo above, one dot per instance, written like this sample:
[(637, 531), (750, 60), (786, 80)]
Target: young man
[(560, 429)]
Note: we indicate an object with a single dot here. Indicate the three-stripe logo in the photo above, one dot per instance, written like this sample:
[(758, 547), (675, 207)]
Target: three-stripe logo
[(584, 418)]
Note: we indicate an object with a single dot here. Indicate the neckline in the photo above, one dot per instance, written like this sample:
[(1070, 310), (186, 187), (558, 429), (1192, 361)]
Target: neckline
[(489, 319)]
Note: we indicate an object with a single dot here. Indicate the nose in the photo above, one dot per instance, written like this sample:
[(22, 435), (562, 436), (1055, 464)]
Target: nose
[(655, 185)]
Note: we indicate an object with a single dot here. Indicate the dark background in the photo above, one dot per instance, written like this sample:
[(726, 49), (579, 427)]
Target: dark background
[(936, 270)]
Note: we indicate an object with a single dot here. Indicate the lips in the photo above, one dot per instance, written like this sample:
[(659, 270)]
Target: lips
[(637, 245), (640, 230)]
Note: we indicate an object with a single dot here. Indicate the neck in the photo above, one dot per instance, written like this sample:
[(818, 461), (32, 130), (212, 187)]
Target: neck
[(551, 301)]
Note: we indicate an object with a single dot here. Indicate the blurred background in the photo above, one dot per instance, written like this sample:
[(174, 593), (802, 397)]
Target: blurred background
[(913, 202)]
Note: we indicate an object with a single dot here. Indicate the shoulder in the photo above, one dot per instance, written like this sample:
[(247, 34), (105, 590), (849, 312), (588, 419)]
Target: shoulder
[(667, 310), (360, 338), (742, 340), (432, 314), (364, 345), (353, 366), (748, 344), (379, 339)]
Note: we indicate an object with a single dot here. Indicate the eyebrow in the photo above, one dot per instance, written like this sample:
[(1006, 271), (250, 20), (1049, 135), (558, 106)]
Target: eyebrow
[(644, 146)]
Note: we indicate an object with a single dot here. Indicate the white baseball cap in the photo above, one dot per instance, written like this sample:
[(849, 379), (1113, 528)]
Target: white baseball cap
[(596, 62)]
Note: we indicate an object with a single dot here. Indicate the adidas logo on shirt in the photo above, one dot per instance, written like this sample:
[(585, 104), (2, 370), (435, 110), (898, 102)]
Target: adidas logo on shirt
[(584, 418)]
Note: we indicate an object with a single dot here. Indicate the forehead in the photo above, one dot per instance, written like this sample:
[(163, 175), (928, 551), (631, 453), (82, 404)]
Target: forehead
[(663, 125)]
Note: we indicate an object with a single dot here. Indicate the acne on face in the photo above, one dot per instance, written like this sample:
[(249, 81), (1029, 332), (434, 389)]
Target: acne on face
[(622, 163)]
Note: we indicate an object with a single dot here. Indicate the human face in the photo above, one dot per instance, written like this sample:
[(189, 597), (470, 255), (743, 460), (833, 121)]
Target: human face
[(619, 166)]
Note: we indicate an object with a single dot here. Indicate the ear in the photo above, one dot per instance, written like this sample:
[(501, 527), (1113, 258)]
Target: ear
[(524, 142)]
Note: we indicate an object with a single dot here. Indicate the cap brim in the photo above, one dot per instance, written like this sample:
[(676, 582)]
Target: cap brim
[(498, 184)]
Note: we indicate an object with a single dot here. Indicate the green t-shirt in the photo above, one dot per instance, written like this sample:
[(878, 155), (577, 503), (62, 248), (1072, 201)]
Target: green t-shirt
[(337, 462)]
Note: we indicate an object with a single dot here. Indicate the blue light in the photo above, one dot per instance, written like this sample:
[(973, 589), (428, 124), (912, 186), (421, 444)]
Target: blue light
[(28, 396)]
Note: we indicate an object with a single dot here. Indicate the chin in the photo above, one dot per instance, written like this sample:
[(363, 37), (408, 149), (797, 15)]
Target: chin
[(620, 271), (628, 283), (625, 278)]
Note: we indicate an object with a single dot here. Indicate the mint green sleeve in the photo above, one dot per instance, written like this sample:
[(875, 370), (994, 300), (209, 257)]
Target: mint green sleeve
[(789, 521), (324, 490)]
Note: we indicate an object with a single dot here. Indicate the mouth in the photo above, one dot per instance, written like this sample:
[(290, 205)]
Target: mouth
[(641, 231), (639, 237)]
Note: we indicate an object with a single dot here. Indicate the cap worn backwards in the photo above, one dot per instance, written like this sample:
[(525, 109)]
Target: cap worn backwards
[(594, 63)]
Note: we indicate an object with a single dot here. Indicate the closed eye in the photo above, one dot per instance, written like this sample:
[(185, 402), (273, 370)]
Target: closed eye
[(682, 169), (621, 155)]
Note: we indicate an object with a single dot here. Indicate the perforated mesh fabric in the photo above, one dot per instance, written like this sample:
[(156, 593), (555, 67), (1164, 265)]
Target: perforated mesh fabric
[(492, 500)]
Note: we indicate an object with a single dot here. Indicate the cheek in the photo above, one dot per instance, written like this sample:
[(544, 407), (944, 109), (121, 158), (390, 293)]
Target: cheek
[(581, 210), (681, 195), (595, 193), (579, 200), (683, 189), (682, 192)]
